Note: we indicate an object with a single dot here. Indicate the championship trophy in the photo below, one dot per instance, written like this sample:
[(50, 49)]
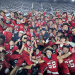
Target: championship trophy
[(40, 38)]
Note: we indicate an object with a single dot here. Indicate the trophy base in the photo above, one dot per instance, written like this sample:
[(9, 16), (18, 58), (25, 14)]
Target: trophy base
[(40, 43)]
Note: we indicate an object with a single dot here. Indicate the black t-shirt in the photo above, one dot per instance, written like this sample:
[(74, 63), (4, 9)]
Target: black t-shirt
[(19, 44), (46, 36)]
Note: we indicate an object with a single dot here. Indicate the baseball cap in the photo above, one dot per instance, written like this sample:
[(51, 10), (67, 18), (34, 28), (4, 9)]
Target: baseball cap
[(21, 32)]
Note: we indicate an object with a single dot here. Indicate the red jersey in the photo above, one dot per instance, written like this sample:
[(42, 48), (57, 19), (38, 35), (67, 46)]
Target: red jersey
[(73, 23), (16, 26), (56, 13), (52, 64), (36, 33), (42, 22), (31, 14), (37, 25), (29, 48), (8, 35), (63, 68), (21, 27), (70, 61), (29, 26), (54, 34), (3, 66), (8, 50), (65, 19), (37, 56), (70, 38), (6, 25), (68, 31), (51, 43)]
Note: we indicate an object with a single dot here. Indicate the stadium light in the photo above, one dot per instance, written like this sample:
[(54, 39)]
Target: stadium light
[(73, 0)]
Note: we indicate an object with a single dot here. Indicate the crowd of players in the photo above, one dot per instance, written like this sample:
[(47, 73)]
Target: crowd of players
[(21, 52)]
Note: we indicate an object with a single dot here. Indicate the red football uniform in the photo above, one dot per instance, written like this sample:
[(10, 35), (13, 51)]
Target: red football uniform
[(51, 43), (43, 67), (37, 56), (25, 56), (70, 61), (9, 51), (67, 32), (70, 37), (63, 69), (56, 13), (65, 19), (42, 22), (6, 25), (3, 66), (52, 65), (29, 26), (29, 48), (16, 26), (73, 23), (37, 25), (31, 14), (8, 35), (36, 33), (21, 27)]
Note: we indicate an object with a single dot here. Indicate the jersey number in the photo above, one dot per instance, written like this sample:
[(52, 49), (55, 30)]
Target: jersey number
[(53, 65), (71, 64)]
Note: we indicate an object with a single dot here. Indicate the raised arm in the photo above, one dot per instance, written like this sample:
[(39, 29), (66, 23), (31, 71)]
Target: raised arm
[(64, 56), (46, 48)]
